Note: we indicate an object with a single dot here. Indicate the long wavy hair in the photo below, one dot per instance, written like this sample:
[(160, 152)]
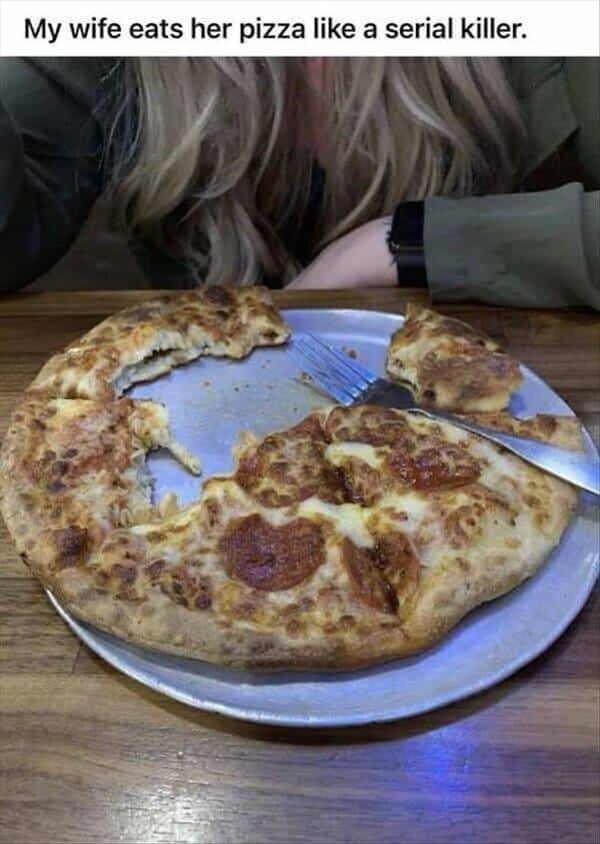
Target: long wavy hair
[(211, 158)]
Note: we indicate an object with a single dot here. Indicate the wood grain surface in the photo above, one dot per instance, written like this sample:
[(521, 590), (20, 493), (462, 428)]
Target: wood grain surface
[(88, 755)]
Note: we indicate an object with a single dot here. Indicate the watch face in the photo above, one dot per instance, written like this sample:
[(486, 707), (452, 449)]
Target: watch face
[(407, 225)]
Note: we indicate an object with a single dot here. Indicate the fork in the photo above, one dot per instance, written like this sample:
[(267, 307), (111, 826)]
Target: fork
[(351, 383)]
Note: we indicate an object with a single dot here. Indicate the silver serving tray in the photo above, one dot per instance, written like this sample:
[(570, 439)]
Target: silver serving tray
[(210, 402)]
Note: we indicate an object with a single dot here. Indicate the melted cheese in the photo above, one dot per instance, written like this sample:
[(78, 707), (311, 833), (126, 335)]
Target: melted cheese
[(336, 453), (349, 519), (413, 504)]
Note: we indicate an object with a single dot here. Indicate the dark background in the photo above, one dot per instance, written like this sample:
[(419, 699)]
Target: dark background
[(98, 260)]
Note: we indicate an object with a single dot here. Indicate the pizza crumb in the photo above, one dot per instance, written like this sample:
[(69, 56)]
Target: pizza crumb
[(169, 505), (306, 377), (352, 353)]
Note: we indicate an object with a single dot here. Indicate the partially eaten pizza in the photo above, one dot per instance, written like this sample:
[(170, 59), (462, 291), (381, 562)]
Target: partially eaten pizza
[(449, 365), (356, 536), (145, 341)]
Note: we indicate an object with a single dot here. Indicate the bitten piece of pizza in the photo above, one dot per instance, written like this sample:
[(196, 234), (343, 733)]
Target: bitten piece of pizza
[(449, 365), (147, 340)]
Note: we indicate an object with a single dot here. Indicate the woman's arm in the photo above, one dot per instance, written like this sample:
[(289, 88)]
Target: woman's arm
[(360, 258), (50, 160), (522, 250), (535, 249)]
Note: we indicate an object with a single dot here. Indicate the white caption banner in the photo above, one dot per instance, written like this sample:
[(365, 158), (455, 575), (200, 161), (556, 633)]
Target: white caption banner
[(299, 27)]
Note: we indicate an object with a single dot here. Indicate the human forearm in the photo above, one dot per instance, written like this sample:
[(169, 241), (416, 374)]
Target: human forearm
[(358, 259)]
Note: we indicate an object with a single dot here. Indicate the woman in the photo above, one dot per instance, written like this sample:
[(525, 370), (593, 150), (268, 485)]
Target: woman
[(479, 176)]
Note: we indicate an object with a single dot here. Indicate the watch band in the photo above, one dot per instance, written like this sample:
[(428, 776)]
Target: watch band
[(405, 242)]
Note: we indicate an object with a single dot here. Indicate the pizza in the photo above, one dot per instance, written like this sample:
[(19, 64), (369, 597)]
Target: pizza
[(559, 431), (145, 341), (73, 470), (356, 536), (449, 365)]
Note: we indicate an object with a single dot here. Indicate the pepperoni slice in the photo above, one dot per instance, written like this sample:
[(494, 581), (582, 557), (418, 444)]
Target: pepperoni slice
[(398, 559), (362, 482), (368, 582), (382, 575), (376, 426), (445, 467), (272, 558), (290, 466)]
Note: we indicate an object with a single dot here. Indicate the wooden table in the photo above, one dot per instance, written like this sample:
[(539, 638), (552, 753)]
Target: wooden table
[(91, 756)]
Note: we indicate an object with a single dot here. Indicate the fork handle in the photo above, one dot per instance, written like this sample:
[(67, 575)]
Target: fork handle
[(581, 470)]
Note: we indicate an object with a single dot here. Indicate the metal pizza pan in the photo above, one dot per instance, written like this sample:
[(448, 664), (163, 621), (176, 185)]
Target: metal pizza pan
[(211, 401)]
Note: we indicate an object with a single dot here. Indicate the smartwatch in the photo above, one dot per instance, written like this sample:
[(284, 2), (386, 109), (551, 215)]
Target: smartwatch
[(405, 242)]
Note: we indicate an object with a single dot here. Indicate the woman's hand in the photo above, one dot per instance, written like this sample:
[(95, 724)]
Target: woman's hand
[(360, 258)]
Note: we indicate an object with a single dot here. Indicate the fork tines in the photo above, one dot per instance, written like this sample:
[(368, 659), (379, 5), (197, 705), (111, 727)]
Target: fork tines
[(344, 378)]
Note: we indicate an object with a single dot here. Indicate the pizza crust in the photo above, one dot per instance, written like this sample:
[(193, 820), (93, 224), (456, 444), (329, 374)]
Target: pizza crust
[(560, 431)]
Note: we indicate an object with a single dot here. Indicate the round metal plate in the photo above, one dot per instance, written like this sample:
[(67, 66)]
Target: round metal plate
[(210, 402)]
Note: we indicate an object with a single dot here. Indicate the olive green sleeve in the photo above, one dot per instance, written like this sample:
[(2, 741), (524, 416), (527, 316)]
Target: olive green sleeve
[(529, 249), (582, 78), (50, 160), (524, 250)]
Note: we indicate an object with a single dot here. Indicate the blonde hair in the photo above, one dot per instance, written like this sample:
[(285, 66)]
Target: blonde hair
[(208, 159)]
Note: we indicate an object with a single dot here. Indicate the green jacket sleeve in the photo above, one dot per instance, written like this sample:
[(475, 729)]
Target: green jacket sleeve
[(523, 250), (50, 160), (529, 249)]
